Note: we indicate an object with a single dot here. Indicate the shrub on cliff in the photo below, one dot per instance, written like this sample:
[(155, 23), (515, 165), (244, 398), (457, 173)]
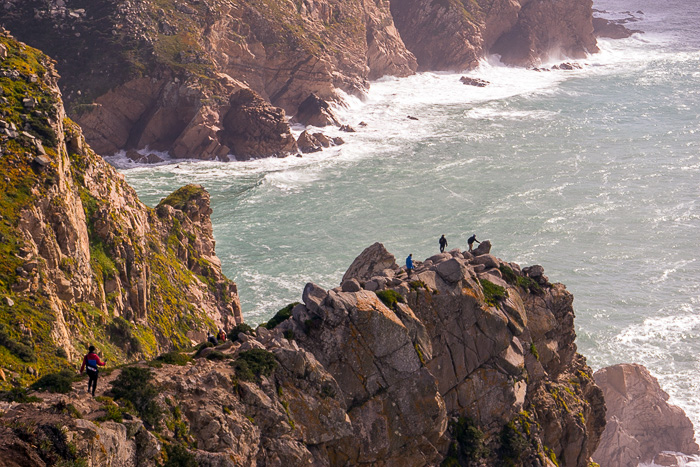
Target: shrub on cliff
[(174, 358), (282, 315), (468, 445), (239, 328), (61, 382), (134, 384), (121, 333), (390, 297), (179, 456), (20, 349), (253, 364)]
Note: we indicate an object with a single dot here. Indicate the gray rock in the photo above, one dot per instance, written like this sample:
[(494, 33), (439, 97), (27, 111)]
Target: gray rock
[(535, 271), (451, 270), (8, 301), (371, 262), (484, 248), (351, 285), (313, 296), (487, 260)]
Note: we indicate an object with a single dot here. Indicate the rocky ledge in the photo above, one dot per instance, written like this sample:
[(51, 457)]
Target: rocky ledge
[(469, 361)]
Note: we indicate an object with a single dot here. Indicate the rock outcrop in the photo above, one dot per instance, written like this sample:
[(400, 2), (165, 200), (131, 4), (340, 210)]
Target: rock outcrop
[(454, 35), (471, 361), (641, 424), (83, 260)]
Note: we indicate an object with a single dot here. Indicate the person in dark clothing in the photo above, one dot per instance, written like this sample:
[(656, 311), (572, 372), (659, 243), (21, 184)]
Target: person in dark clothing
[(212, 338), (471, 241), (90, 363), (443, 243), (409, 264)]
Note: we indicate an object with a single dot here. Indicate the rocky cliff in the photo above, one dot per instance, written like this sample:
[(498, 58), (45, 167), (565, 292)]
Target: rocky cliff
[(209, 78), (470, 361), (82, 260), (641, 425)]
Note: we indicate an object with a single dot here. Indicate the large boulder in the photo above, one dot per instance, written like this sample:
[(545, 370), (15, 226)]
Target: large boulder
[(640, 421), (371, 262), (315, 111)]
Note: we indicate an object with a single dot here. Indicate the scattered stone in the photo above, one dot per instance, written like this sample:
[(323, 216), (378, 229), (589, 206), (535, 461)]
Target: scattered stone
[(324, 140), (478, 82), (338, 141), (8, 301), (568, 66), (347, 128), (41, 161), (29, 102), (308, 143), (410, 117), (611, 29), (2, 375), (362, 124)]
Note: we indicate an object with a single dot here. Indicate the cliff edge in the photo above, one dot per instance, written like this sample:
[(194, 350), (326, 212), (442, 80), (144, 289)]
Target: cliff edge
[(470, 361), (82, 259)]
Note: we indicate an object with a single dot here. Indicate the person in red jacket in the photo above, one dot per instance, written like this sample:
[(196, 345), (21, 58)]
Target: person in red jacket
[(90, 362)]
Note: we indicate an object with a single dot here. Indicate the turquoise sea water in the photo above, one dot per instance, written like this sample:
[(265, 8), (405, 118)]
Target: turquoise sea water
[(593, 173)]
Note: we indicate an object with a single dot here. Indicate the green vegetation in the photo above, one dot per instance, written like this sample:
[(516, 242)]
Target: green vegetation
[(112, 411), (216, 355), (134, 385), (179, 456), (20, 349), (18, 395), (121, 332), (468, 443), (492, 292), (175, 358), (61, 382), (282, 315), (533, 351), (180, 197), (50, 442), (390, 297), (237, 329), (253, 364), (66, 408), (415, 285)]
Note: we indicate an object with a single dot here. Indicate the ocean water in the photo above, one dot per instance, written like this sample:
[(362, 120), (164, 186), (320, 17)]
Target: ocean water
[(592, 173)]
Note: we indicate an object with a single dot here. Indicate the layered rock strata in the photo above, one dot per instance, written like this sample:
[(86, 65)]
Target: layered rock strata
[(470, 361), (83, 260), (641, 424)]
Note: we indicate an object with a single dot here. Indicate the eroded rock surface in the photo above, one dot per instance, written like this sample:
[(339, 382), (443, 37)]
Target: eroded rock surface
[(641, 423)]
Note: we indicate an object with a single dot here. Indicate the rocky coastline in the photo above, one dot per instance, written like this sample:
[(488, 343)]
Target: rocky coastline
[(206, 79)]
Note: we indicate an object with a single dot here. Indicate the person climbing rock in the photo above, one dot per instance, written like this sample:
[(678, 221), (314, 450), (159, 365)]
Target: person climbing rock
[(90, 363), (409, 264), (443, 243), (221, 336), (471, 241)]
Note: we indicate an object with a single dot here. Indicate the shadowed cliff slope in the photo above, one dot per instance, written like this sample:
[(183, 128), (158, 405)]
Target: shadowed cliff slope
[(83, 260)]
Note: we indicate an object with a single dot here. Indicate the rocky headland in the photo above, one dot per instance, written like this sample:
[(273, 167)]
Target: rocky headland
[(81, 258), (211, 78)]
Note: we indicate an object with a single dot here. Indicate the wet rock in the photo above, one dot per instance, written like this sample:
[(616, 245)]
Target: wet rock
[(347, 128), (611, 29), (307, 143), (315, 111), (478, 82)]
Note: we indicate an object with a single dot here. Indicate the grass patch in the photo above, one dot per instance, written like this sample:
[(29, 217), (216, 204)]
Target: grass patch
[(237, 329), (18, 395), (20, 349), (174, 358), (492, 293), (390, 298)]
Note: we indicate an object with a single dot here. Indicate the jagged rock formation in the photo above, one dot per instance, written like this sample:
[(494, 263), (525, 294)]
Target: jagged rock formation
[(82, 259), (471, 361), (164, 74), (641, 424), (454, 34)]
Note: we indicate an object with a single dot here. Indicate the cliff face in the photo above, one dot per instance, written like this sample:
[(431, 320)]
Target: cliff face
[(641, 424), (168, 74), (455, 34), (470, 361), (83, 260)]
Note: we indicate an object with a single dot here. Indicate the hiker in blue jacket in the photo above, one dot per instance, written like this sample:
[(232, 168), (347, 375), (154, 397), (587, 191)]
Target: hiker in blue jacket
[(409, 264)]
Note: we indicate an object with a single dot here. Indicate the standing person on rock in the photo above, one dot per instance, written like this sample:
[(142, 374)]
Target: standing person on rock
[(471, 241), (443, 243), (409, 264), (90, 363)]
